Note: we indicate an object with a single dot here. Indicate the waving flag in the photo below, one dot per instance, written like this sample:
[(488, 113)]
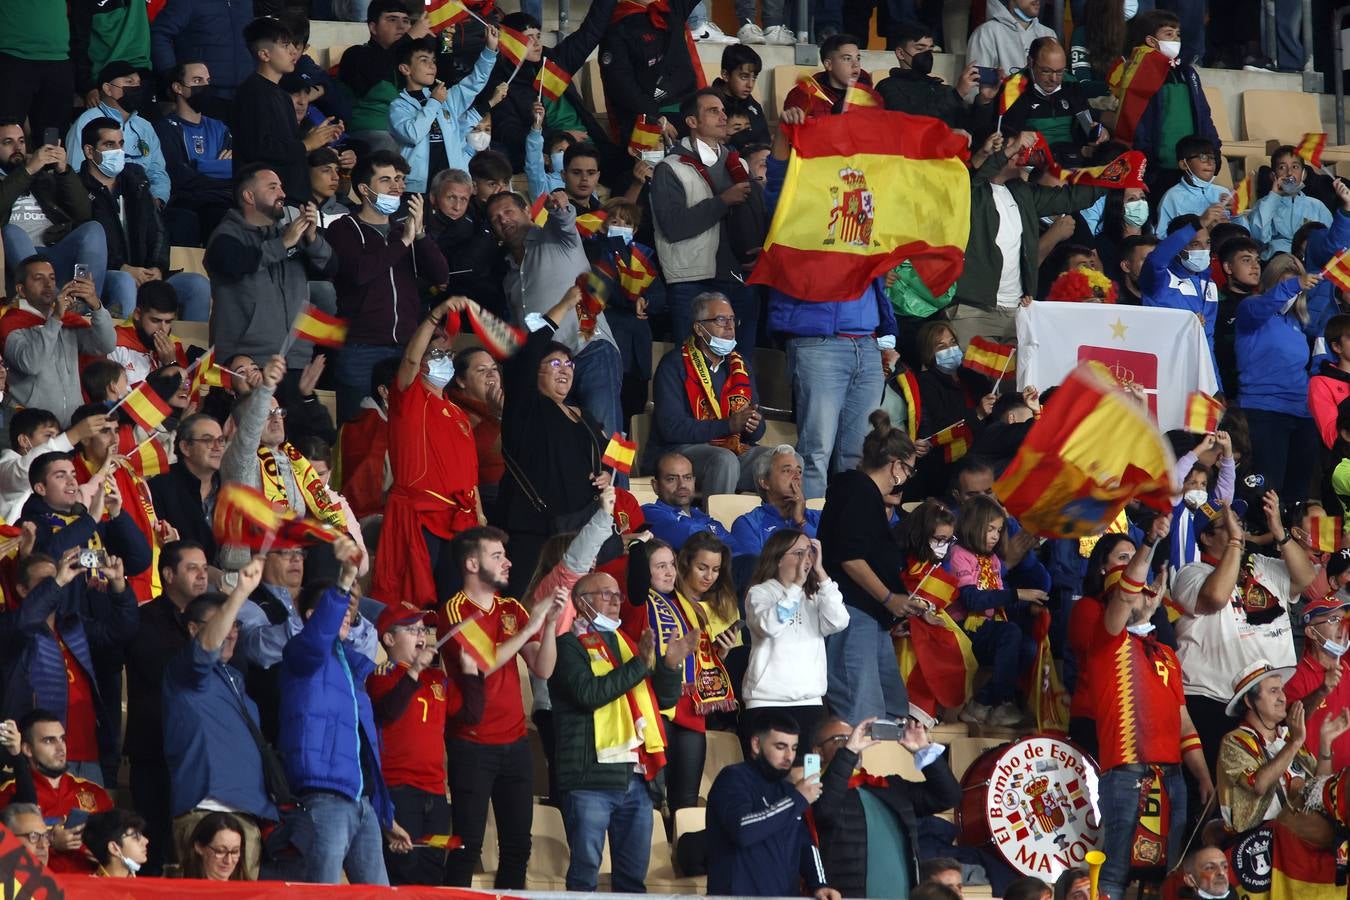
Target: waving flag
[(1325, 533), (908, 387), (205, 373), (937, 587), (1134, 83), (441, 14), (955, 441), (989, 358), (636, 273), (475, 642), (811, 86), (1337, 270), (1243, 194), (646, 136), (148, 458), (1203, 413), (1310, 148), (1125, 171), (539, 210), (145, 407), (860, 96), (619, 454), (552, 80), (512, 45), (1012, 89), (313, 324), (863, 193), (243, 516), (589, 223)]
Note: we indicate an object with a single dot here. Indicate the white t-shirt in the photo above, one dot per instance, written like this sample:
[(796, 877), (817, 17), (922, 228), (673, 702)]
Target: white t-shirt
[(1009, 241), (1213, 649), (28, 215)]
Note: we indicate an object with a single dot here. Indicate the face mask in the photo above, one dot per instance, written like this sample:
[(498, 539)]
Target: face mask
[(720, 346), (198, 97), (1170, 49), (440, 371), (386, 204), (1023, 16), (112, 162), (602, 622), (1141, 630), (921, 63), (622, 232), (949, 359), (939, 548), (132, 866), (1131, 9), (555, 162), (1196, 260), (1044, 93), (1193, 499), (1206, 895), (1333, 648), (479, 140), (1289, 186), (132, 99), (1136, 212)]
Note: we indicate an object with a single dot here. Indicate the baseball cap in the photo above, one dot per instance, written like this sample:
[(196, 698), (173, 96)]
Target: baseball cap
[(115, 70), (294, 82), (1338, 563), (1328, 604), (397, 614), (1212, 510)]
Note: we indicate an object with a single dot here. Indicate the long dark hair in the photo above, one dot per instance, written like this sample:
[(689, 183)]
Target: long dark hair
[(1094, 582), (722, 596), (914, 533), (779, 543), (1105, 27)]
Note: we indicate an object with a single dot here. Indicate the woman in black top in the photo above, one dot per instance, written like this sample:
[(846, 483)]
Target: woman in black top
[(862, 556), (551, 448), (948, 393)]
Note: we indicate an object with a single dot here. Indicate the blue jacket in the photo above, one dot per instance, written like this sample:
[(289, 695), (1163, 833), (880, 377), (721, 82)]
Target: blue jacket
[(208, 31), (1184, 198), (208, 746), (869, 314), (1323, 244), (673, 422), (674, 527), (758, 843), (539, 180), (410, 120), (1165, 282), (1148, 132), (142, 147), (58, 532), (1275, 218), (326, 717), (1272, 352), (752, 529)]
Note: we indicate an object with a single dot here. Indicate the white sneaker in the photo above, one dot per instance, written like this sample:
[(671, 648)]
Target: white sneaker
[(780, 35), (711, 34), (1005, 715), (974, 713), (750, 33)]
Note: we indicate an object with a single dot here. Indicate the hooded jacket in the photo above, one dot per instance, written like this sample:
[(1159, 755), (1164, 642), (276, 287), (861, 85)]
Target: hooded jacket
[(646, 67), (210, 31), (1165, 282), (131, 222), (1327, 390), (1002, 42)]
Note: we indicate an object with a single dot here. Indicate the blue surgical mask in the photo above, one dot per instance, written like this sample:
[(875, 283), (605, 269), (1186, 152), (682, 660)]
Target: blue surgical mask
[(949, 359), (1334, 648), (722, 346), (1131, 9), (132, 866), (555, 162), (1143, 629), (1136, 212), (387, 204), (1195, 260), (622, 232), (1023, 16), (112, 162), (440, 370)]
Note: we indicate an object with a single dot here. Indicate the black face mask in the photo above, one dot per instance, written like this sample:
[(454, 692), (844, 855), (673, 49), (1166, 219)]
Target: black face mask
[(921, 63), (199, 98), (133, 99), (770, 773)]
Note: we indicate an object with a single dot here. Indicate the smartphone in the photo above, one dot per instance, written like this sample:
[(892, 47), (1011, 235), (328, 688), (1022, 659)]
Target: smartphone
[(885, 730), (51, 137), (82, 272), (811, 766), (988, 75), (93, 559)]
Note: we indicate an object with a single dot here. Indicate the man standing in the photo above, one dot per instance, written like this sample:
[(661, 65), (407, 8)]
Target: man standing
[(370, 71), (758, 842), (121, 98), (37, 77), (706, 405), (673, 517), (607, 695), (1056, 107), (185, 496), (1003, 41), (462, 232), (778, 478), (1318, 681)]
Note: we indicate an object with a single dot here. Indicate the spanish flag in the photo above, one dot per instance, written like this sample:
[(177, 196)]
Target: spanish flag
[(1324, 532), (205, 373), (440, 841), (145, 407), (1310, 148), (313, 324), (1014, 86), (936, 586), (646, 136), (619, 454), (1203, 413), (589, 223), (937, 662), (1091, 452), (592, 302), (1125, 171), (989, 357), (1243, 193), (637, 273), (441, 14), (1134, 83), (292, 530), (243, 516), (475, 642), (862, 194), (907, 385), (1337, 270), (955, 441), (148, 458), (552, 80), (860, 96), (811, 86), (538, 211), (512, 45), (1046, 697)]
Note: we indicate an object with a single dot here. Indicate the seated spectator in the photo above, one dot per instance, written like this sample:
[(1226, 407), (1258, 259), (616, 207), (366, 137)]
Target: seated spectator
[(183, 494), (707, 408), (1055, 107), (117, 842), (1133, 252), (430, 120), (1275, 218), (1004, 40), (646, 69), (43, 206), (195, 29), (218, 849), (59, 793), (328, 182), (1206, 869), (758, 842), (477, 389), (148, 342), (138, 242), (707, 215), (370, 72), (1176, 274), (853, 818), (841, 60), (1006, 427), (1317, 681), (32, 433), (672, 517), (25, 822), (778, 479), (912, 88), (121, 98), (198, 149), (945, 871), (260, 265), (1196, 192), (461, 230)]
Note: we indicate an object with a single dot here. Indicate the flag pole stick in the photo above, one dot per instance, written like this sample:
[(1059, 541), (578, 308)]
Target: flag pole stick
[(267, 542), (480, 19), (517, 72), (1002, 373), (144, 442)]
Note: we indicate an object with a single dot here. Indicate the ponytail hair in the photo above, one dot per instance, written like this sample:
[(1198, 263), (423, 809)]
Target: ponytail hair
[(884, 444)]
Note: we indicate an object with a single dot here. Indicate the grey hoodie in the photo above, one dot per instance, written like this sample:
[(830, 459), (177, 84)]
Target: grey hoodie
[(258, 286), (44, 361), (1001, 42)]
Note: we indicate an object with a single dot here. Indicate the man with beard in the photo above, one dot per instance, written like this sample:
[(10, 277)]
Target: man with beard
[(148, 342), (44, 206), (260, 265), (121, 98)]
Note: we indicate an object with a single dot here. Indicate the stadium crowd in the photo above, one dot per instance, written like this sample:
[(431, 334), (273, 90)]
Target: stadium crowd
[(463, 582)]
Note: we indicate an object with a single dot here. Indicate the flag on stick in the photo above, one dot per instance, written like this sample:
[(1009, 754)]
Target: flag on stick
[(512, 45), (937, 587), (1014, 86), (552, 80), (813, 89), (476, 642), (205, 373), (243, 516), (1337, 271), (955, 441), (148, 459), (145, 407), (441, 14), (989, 358), (636, 273), (646, 136), (1243, 194), (1324, 532), (1310, 148), (313, 324), (619, 454), (589, 223), (1203, 413)]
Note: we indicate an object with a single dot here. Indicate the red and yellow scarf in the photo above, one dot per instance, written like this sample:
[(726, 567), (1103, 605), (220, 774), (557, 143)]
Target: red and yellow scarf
[(628, 729), (318, 501), (704, 402), (705, 678)]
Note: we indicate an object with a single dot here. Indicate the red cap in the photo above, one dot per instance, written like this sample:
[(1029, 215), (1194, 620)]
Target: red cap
[(404, 613), (1329, 603)]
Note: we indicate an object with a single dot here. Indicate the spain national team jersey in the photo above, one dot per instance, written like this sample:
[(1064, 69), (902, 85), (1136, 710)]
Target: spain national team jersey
[(70, 793), (1138, 697), (503, 720), (413, 744)]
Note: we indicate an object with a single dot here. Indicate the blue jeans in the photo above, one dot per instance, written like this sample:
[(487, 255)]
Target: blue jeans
[(744, 303), (194, 294), (347, 839), (533, 8), (86, 244), (1281, 446), (864, 677), (627, 817), (351, 375), (350, 10), (836, 384), (1288, 34), (595, 388), (1004, 646), (697, 16), (1119, 789)]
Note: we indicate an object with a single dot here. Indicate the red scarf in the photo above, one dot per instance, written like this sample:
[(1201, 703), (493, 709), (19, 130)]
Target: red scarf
[(657, 11), (129, 337), (859, 778), (17, 319), (707, 406)]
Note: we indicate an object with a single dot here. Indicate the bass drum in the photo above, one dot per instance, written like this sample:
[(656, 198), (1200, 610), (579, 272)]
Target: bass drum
[(1034, 803)]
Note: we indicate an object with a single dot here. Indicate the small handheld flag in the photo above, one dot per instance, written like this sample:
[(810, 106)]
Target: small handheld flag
[(592, 302), (476, 643), (813, 89), (1337, 271), (646, 136), (313, 324), (1014, 86), (539, 210), (1241, 199), (589, 223), (441, 14), (860, 97), (205, 373), (955, 441), (938, 588), (145, 407), (243, 516), (619, 454), (1324, 533), (512, 45), (637, 273), (148, 459), (1310, 148), (552, 81), (1203, 413), (989, 357)]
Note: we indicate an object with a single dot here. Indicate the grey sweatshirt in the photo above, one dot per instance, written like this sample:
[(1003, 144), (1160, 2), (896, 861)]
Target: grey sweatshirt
[(1002, 41), (239, 464), (44, 361)]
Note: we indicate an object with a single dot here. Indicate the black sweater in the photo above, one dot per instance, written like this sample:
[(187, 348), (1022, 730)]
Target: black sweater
[(265, 131)]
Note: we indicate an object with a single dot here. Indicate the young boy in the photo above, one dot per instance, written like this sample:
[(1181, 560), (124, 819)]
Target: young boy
[(1278, 215), (544, 155), (1193, 469), (842, 62), (429, 120), (1198, 157), (1133, 251), (738, 125), (1176, 275), (491, 174), (741, 66), (1239, 259), (1331, 385)]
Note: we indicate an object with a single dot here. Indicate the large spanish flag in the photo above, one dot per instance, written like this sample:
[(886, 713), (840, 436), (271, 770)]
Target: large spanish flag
[(863, 193), (1092, 451), (1134, 83)]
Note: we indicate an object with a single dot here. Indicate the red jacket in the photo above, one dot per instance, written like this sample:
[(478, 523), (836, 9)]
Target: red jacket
[(817, 105), (1326, 390)]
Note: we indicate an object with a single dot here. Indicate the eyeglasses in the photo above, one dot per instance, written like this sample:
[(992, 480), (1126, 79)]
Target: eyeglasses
[(279, 412), (1332, 620), (557, 363), (945, 541), (413, 629), (37, 838), (722, 321), (217, 441), (225, 852), (1202, 157), (603, 595), (437, 353), (294, 552), (906, 468)]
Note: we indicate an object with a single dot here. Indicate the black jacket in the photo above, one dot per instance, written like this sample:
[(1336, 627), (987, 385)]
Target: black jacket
[(161, 635), (477, 264), (191, 189), (644, 68), (136, 234), (458, 55), (265, 131), (905, 90), (842, 827), (61, 196), (177, 496)]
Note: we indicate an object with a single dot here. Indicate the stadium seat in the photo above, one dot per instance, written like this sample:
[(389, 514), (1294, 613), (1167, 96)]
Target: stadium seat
[(946, 732), (661, 876), (1252, 153), (640, 428), (689, 819), (889, 758), (784, 80), (815, 503), (778, 432), (189, 259), (329, 401), (642, 490), (965, 751), (194, 334), (549, 855), (592, 92), (1283, 116), (659, 350), (724, 749), (726, 507)]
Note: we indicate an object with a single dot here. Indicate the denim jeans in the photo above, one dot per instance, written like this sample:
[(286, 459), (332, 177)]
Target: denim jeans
[(595, 387), (1004, 646), (1288, 34), (533, 8), (419, 813), (347, 839), (836, 384), (744, 303), (1119, 805), (719, 471), (194, 294), (697, 16), (351, 375), (864, 677), (1281, 447), (627, 817), (86, 244)]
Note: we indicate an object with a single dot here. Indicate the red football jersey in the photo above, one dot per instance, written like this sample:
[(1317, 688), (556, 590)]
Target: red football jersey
[(503, 718), (56, 803), (81, 720), (1137, 699), (413, 745)]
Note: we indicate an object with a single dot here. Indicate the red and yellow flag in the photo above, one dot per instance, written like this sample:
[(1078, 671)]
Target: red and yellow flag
[(646, 136), (1046, 697), (552, 80), (936, 586), (313, 324), (1092, 451), (243, 516), (908, 386), (1125, 171), (955, 441), (539, 210), (636, 273), (1310, 148), (811, 86), (990, 357), (592, 301), (862, 194), (1014, 86), (148, 459), (145, 407), (1203, 413), (1324, 532), (619, 454), (205, 373), (937, 662), (441, 14), (1244, 194), (512, 45), (475, 642), (1133, 83), (860, 96), (1337, 270), (589, 223)]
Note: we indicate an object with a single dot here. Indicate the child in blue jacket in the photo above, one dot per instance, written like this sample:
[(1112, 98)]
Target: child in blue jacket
[(1277, 216), (1176, 274)]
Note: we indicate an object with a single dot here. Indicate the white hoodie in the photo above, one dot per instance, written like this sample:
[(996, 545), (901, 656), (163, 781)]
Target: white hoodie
[(787, 658), (14, 486), (1002, 41)]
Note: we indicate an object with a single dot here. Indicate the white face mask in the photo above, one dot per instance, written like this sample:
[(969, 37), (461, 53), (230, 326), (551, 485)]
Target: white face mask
[(1170, 49), (132, 866), (479, 140), (439, 371), (939, 548), (1193, 499), (1208, 896), (1131, 9), (1142, 629)]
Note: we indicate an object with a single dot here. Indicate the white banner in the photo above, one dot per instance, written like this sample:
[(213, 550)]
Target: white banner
[(1164, 351)]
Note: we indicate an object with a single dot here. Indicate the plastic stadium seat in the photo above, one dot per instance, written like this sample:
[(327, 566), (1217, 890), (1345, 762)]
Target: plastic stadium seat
[(1283, 116), (777, 432), (549, 855), (726, 507), (640, 429), (889, 758), (194, 334), (642, 490), (661, 876), (964, 751), (772, 378), (724, 749), (815, 503), (784, 80), (189, 259)]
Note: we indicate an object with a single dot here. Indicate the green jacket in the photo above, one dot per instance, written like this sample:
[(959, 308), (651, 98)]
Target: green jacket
[(577, 692), (978, 285)]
